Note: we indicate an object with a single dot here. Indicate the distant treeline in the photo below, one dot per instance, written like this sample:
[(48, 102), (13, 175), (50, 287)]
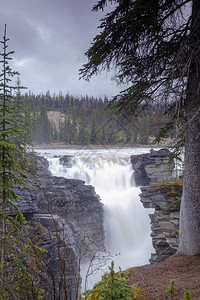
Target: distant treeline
[(85, 120)]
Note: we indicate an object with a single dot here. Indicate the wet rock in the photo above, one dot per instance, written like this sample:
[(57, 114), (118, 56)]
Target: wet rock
[(152, 170), (71, 210), (165, 220), (70, 215), (66, 161), (152, 167)]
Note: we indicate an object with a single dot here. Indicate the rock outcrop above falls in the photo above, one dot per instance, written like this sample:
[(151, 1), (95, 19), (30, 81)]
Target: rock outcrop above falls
[(153, 167), (153, 172), (165, 198)]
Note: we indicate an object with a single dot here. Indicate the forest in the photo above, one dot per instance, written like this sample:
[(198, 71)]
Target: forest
[(88, 121), (154, 46)]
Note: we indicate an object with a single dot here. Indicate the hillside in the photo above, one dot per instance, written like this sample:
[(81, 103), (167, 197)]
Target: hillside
[(83, 121), (154, 280), (56, 118)]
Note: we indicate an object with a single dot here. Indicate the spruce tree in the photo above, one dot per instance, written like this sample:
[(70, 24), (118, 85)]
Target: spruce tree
[(74, 127), (23, 122), (83, 135), (93, 130), (23, 117), (113, 286), (15, 280), (8, 165), (154, 46)]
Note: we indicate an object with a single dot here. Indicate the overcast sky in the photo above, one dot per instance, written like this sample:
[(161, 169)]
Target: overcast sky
[(49, 38)]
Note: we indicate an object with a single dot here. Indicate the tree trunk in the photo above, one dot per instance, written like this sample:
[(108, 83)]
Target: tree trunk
[(189, 243)]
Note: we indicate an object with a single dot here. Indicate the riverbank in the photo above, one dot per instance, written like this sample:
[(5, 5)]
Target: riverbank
[(65, 146)]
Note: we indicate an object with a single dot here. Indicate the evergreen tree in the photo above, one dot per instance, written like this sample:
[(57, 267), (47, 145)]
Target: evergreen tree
[(44, 126), (8, 165), (23, 118), (102, 127), (83, 135), (93, 131), (62, 132), (74, 132), (35, 124), (155, 47), (67, 130), (55, 134), (15, 280), (113, 286)]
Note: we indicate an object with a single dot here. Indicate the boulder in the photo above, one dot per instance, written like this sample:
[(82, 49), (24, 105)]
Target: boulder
[(66, 160)]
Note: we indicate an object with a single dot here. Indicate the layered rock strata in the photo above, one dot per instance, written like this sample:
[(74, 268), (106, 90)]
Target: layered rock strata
[(69, 216), (74, 203), (165, 198), (152, 167), (71, 210), (153, 172)]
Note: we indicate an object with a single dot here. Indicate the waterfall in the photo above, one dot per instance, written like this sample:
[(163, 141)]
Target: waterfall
[(126, 222)]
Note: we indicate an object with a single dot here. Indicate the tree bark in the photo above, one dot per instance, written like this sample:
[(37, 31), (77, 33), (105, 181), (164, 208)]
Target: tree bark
[(189, 242)]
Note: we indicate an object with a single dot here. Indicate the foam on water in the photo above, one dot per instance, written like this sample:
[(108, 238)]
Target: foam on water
[(126, 222)]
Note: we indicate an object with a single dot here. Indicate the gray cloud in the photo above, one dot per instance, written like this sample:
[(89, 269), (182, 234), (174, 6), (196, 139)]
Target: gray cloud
[(50, 38)]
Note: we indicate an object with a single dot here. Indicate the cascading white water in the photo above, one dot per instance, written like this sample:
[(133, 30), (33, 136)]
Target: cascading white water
[(126, 222)]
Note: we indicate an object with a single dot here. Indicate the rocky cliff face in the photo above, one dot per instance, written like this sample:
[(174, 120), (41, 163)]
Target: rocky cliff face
[(152, 167), (153, 172), (70, 218), (165, 198), (75, 203)]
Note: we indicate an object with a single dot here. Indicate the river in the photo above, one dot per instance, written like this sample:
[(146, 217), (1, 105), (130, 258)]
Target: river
[(126, 222)]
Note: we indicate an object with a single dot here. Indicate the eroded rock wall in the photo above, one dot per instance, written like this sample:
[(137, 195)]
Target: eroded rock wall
[(69, 216), (153, 173), (75, 204), (165, 199), (72, 210), (153, 167)]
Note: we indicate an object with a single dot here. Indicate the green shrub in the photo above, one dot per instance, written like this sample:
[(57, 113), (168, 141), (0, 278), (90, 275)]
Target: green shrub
[(113, 287), (169, 293), (187, 295)]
